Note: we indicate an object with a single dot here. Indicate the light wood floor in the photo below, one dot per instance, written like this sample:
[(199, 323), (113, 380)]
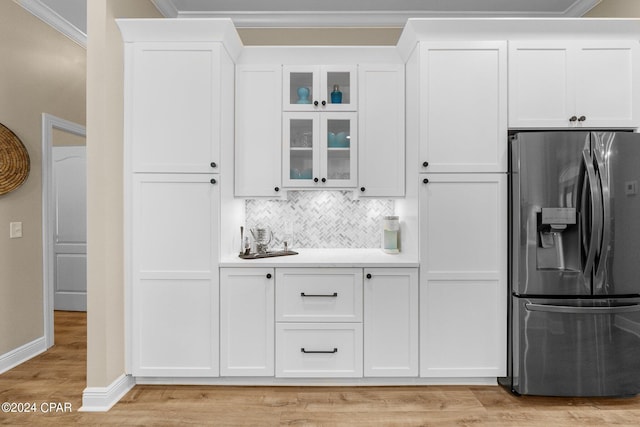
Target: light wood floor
[(58, 376)]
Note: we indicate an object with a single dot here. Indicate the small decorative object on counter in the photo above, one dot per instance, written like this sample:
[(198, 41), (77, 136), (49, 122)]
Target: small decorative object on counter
[(336, 95), (303, 95), (262, 237), (390, 234)]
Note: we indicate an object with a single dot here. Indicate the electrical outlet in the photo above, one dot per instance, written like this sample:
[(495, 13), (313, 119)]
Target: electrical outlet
[(15, 230)]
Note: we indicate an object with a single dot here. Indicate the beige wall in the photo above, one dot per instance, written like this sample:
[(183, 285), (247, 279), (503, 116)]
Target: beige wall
[(105, 270), (616, 9), (320, 36), (41, 70)]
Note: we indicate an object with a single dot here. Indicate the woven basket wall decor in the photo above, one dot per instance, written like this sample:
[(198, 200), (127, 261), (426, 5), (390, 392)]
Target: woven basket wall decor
[(14, 161)]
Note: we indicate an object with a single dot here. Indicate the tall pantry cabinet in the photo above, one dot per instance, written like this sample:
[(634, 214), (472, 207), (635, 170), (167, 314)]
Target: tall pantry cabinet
[(460, 121), (178, 109)]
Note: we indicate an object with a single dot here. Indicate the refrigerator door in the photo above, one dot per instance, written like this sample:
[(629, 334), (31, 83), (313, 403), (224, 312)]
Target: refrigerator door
[(571, 347), (617, 260), (554, 213)]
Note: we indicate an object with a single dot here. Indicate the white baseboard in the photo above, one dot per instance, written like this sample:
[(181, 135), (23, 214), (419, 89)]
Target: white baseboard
[(22, 354), (101, 399)]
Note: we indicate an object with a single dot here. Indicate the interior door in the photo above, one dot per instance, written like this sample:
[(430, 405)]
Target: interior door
[(70, 228)]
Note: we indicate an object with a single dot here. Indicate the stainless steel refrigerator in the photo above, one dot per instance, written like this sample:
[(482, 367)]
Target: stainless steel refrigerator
[(574, 318)]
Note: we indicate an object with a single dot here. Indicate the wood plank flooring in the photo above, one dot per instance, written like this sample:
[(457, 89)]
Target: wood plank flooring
[(58, 376)]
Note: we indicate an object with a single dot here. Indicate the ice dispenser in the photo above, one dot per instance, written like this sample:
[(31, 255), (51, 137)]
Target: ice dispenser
[(558, 243)]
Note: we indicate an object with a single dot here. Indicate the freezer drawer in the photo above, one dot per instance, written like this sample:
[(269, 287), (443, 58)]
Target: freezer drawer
[(576, 347)]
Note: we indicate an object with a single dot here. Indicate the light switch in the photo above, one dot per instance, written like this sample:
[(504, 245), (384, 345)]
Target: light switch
[(15, 230)]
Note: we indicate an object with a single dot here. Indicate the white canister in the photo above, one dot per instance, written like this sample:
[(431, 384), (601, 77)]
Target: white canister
[(390, 234)]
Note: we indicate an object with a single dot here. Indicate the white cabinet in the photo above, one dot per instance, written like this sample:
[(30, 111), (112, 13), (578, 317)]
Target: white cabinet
[(381, 160), (258, 131), (174, 295), (320, 88), (569, 84), (176, 106), (462, 115), (463, 276), (391, 322), (247, 321), (319, 322), (320, 150)]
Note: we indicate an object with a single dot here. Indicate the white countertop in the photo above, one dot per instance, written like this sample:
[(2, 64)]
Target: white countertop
[(326, 258)]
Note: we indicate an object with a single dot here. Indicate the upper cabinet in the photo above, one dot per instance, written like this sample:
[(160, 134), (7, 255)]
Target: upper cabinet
[(572, 84), (258, 131), (177, 105), (320, 150), (381, 154), (320, 88), (462, 112)]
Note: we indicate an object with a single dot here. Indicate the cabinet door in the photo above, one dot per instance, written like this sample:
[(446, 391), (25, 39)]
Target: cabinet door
[(258, 131), (247, 321), (541, 85), (606, 95), (338, 149), (381, 124), (391, 322), (301, 149), (319, 88), (463, 113), (463, 275), (175, 102), (174, 292)]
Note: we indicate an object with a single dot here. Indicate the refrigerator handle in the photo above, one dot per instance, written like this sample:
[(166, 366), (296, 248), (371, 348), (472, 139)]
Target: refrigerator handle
[(596, 212), (606, 217), (582, 310)]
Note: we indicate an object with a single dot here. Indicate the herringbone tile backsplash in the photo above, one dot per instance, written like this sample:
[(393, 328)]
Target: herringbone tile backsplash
[(321, 219)]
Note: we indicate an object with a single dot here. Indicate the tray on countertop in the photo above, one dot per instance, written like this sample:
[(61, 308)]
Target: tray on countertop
[(267, 254)]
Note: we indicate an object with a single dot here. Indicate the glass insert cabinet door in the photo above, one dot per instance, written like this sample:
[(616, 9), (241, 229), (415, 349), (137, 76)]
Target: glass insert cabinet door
[(319, 150), (319, 88)]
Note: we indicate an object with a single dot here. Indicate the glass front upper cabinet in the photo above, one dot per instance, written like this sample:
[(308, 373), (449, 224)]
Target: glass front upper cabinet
[(320, 150), (319, 88)]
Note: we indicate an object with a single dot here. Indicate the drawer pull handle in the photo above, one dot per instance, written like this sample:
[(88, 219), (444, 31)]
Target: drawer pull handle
[(335, 294), (335, 350)]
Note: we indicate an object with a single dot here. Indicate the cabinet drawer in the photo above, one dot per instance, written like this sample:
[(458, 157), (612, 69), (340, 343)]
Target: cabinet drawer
[(319, 350), (313, 295)]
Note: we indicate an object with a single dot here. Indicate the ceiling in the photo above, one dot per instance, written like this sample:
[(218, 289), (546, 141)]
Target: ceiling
[(70, 16)]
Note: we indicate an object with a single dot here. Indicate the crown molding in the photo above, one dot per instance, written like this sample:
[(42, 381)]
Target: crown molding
[(166, 8), (361, 18), (44, 13), (580, 8)]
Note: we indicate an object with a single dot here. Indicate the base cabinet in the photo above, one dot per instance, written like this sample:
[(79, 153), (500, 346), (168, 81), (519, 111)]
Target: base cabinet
[(247, 321), (391, 322)]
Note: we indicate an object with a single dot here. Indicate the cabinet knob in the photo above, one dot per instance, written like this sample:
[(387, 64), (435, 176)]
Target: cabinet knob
[(277, 189), (315, 103), (573, 119), (268, 275), (425, 164), (315, 179), (214, 165), (582, 119), (368, 275), (324, 103), (425, 181), (362, 189), (213, 181), (324, 179)]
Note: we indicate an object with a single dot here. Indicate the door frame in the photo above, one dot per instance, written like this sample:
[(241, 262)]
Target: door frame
[(49, 123)]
